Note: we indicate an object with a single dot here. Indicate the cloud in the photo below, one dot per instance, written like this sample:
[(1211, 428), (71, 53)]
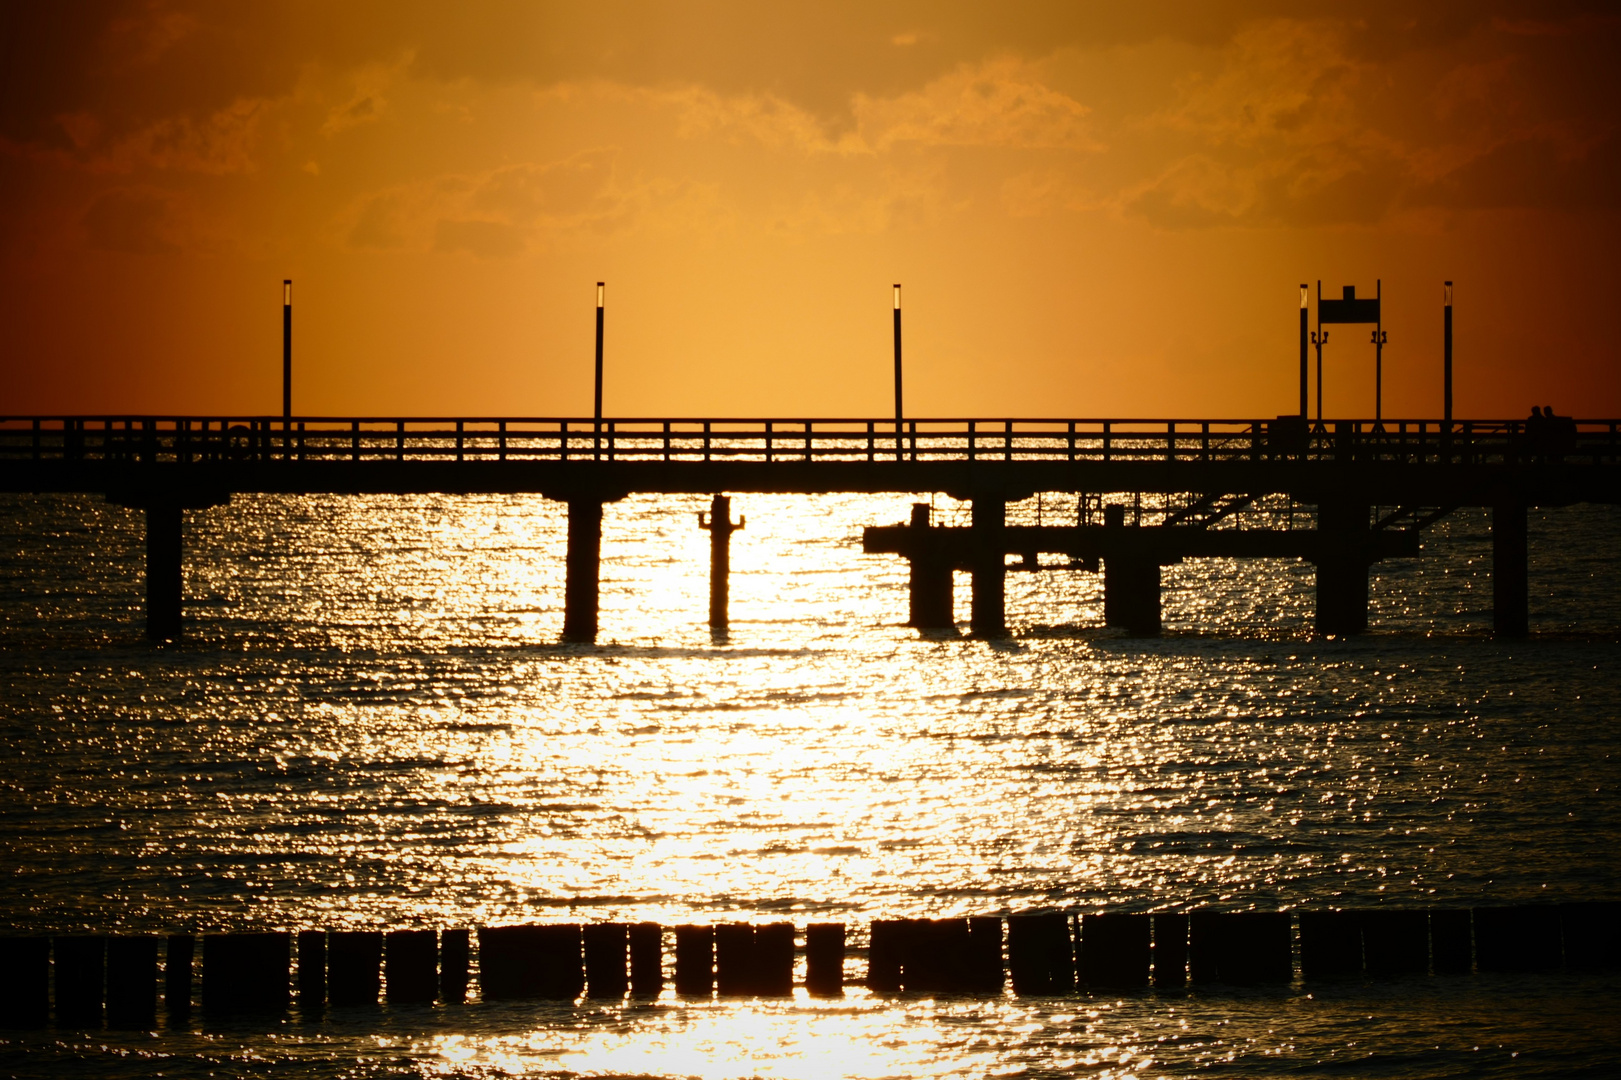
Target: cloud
[(500, 212)]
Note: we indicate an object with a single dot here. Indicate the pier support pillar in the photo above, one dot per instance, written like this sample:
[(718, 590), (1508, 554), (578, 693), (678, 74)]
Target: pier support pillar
[(1342, 569), (988, 616), (1130, 581), (929, 592), (720, 529), (584, 561), (1511, 579), (164, 581)]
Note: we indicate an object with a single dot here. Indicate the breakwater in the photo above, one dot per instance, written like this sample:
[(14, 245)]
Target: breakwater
[(83, 981)]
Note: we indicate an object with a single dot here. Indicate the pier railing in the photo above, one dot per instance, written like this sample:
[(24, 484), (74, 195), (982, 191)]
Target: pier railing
[(217, 439)]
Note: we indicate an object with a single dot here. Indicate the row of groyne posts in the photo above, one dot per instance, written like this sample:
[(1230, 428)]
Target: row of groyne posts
[(85, 981)]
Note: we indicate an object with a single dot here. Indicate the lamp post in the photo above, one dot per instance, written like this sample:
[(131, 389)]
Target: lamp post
[(1305, 295), (287, 349), (1319, 338), (899, 411), (1446, 357), (596, 410), (1379, 339)]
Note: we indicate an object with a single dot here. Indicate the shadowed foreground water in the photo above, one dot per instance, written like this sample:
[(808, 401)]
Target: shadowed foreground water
[(371, 725)]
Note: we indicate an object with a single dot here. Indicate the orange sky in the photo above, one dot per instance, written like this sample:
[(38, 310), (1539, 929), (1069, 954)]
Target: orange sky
[(1093, 212)]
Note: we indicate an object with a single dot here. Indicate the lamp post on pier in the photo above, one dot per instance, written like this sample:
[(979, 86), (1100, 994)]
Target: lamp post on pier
[(1305, 296), (287, 349), (1446, 358), (899, 411), (596, 409)]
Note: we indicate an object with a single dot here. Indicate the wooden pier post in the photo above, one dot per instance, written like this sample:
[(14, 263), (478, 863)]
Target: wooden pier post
[(164, 581), (311, 972), (988, 613), (132, 982), (80, 976), (178, 954), (646, 959), (1342, 568), (824, 959), (929, 589), (1511, 578), (453, 953), (25, 995), (720, 528), (411, 967), (584, 563)]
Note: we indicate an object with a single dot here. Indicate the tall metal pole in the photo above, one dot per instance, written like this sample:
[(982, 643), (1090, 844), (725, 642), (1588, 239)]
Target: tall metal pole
[(1446, 358), (287, 349), (1318, 337), (1379, 339), (898, 410), (597, 410), (1305, 296)]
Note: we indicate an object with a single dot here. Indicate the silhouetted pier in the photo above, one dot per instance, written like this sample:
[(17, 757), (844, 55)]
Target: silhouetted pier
[(1206, 473)]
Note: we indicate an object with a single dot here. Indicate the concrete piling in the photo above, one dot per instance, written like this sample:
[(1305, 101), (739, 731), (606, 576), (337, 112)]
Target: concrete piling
[(1240, 947), (930, 603), (580, 588), (1342, 568), (720, 528), (695, 961), (354, 961), (824, 959), (178, 954), (311, 971), (988, 613), (646, 941), (1115, 951), (1511, 576), (1330, 944), (1170, 951), (25, 987), (164, 576), (607, 956), (80, 980), (1452, 947), (1131, 581), (132, 983), (1040, 954), (1396, 942), (453, 964), (411, 966), (246, 973)]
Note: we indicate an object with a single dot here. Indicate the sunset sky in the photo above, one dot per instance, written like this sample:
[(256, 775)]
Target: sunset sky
[(1095, 209)]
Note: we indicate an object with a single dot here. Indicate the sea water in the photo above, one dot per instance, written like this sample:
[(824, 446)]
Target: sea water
[(371, 724)]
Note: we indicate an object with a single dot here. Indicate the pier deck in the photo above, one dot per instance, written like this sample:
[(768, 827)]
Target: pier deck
[(1421, 469)]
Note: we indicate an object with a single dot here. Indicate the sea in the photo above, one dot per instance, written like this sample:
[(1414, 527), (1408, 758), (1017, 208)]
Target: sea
[(371, 723)]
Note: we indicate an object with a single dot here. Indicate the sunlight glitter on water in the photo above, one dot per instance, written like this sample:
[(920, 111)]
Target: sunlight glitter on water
[(371, 724)]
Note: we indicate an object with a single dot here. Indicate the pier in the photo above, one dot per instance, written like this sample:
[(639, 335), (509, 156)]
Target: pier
[(1365, 490)]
